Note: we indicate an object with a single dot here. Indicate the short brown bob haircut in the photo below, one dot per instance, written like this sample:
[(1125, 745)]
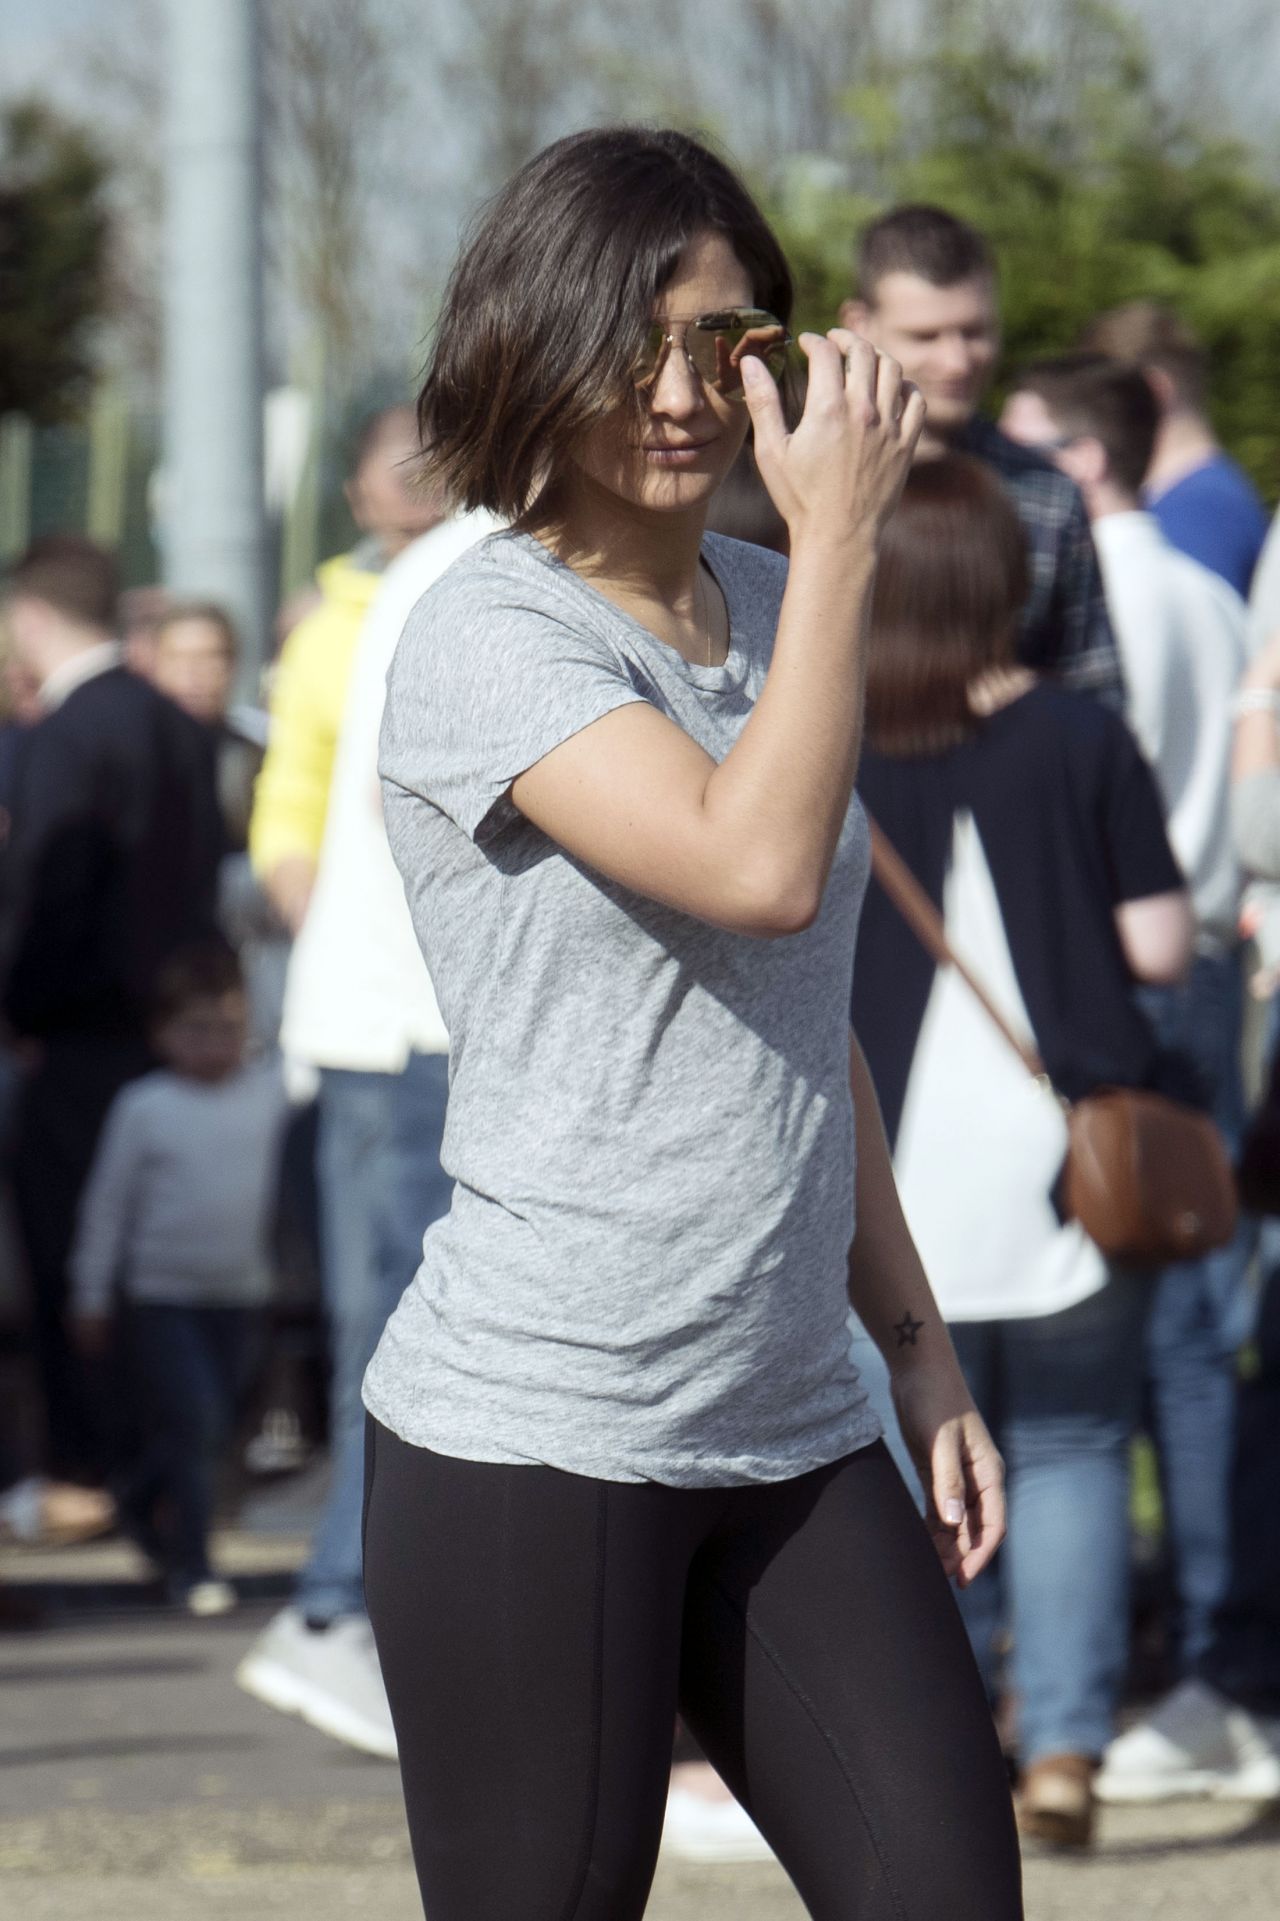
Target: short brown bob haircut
[(73, 575), (1147, 333), (547, 308), (1091, 397), (950, 584), (927, 241)]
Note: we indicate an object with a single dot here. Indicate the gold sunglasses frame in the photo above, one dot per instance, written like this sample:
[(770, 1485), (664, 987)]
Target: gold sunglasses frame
[(663, 335)]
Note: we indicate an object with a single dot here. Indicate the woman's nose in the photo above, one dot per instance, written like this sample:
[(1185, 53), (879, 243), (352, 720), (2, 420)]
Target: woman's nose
[(677, 391)]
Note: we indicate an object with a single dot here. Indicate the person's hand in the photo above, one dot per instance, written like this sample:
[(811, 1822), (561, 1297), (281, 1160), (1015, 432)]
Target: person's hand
[(1264, 669), (288, 887), (959, 1467), (843, 468), (91, 1334)]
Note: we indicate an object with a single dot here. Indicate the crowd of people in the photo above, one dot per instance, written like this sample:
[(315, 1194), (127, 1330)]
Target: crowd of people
[(1072, 738)]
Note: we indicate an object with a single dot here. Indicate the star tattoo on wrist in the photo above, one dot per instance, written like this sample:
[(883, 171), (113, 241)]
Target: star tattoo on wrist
[(906, 1330)]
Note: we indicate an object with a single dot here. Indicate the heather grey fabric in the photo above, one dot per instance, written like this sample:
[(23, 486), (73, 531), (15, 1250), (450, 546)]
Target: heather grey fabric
[(643, 1273)]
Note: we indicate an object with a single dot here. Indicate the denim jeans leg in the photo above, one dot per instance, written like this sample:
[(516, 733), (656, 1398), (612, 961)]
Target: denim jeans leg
[(381, 1185), (420, 1190), (1243, 1657), (1072, 1394), (353, 1152), (1200, 1317)]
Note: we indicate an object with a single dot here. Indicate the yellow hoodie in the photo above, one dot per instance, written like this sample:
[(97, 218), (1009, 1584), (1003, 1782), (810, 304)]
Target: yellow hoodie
[(308, 695)]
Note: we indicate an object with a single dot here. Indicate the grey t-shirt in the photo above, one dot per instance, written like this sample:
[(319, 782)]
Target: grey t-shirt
[(642, 1276)]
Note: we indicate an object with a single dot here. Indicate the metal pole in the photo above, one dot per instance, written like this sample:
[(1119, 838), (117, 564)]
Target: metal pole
[(213, 531)]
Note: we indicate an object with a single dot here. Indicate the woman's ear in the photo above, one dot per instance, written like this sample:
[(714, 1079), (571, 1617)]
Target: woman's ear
[(1085, 461), (856, 316)]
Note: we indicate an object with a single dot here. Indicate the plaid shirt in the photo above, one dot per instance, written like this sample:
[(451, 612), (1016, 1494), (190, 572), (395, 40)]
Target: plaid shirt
[(1066, 630)]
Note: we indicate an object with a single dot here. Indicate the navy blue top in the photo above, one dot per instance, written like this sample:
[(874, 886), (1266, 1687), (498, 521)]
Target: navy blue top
[(1072, 825), (1215, 515)]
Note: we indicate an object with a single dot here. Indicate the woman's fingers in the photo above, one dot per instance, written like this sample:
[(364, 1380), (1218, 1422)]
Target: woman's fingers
[(764, 404), (826, 373), (888, 389), (914, 410), (985, 1517), (947, 1477), (966, 1490)]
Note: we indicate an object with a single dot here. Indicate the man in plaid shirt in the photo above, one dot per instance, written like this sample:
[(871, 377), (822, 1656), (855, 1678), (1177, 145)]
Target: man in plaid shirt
[(927, 296)]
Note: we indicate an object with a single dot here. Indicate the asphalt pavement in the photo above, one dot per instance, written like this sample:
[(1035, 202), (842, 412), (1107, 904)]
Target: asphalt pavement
[(137, 1783)]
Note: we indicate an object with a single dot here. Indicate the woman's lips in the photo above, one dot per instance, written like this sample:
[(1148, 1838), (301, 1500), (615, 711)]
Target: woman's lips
[(685, 455)]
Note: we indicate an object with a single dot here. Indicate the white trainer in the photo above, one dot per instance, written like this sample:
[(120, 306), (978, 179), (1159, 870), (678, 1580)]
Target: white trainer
[(208, 1598), (698, 1829), (330, 1676), (1195, 1743)]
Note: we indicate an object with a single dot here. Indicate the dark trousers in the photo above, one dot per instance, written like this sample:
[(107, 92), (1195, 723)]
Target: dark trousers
[(537, 1631), (61, 1107), (187, 1369)]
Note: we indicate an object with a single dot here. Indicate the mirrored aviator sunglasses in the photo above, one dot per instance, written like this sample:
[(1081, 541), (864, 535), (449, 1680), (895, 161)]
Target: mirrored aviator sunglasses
[(715, 345)]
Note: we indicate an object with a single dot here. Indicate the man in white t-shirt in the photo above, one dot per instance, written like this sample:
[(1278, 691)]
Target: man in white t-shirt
[(1181, 631), (359, 1009)]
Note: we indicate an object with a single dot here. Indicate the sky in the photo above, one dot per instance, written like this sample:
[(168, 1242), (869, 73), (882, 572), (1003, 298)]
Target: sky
[(1234, 45)]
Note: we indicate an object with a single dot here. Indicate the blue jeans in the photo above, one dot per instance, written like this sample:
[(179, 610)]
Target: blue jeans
[(186, 1369), (381, 1185), (1061, 1395), (1201, 1313), (1243, 1657)]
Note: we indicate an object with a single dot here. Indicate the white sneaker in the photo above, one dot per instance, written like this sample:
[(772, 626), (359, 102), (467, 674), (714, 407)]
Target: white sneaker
[(697, 1829), (1195, 1743), (208, 1598), (330, 1676)]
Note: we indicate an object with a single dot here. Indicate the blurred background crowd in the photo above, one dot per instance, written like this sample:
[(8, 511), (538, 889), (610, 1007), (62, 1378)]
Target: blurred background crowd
[(223, 1076)]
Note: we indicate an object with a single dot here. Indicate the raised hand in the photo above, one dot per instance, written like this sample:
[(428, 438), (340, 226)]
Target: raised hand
[(840, 473)]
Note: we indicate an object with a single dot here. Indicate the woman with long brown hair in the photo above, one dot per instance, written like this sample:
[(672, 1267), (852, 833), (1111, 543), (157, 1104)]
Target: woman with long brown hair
[(1030, 816), (618, 1459)]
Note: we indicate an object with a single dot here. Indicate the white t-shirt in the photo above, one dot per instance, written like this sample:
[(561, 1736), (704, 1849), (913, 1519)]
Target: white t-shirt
[(358, 994), (971, 1106), (1181, 634)]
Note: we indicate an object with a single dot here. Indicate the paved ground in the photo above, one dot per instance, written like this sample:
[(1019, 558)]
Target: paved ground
[(138, 1784)]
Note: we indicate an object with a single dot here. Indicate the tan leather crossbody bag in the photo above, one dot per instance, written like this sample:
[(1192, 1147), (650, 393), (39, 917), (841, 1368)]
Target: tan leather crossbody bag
[(1148, 1178)]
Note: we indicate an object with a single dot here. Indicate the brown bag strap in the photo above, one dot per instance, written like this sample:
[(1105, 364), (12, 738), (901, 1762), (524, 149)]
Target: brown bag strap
[(927, 924)]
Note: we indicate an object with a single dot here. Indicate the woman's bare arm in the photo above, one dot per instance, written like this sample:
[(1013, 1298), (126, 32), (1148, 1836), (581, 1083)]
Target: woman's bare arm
[(1158, 936), (959, 1467), (748, 843)]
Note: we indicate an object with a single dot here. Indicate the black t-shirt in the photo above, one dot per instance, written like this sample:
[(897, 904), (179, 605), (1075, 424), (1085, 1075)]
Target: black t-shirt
[(1072, 825)]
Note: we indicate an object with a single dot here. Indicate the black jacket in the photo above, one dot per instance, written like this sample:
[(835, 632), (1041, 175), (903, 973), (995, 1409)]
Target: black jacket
[(112, 860)]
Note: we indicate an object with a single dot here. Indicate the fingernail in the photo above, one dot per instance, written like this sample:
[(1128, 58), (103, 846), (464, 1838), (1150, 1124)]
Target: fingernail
[(953, 1513), (751, 371)]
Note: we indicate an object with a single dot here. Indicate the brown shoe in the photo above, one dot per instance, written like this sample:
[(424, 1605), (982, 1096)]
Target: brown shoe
[(1055, 1800)]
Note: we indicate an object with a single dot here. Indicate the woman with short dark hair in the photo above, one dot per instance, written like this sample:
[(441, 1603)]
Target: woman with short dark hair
[(1033, 821), (618, 1461)]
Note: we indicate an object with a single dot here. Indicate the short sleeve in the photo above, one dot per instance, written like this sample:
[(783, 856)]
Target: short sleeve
[(1139, 858), (481, 688)]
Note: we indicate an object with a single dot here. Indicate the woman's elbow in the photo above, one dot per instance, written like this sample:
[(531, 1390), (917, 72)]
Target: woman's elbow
[(1158, 937), (773, 902)]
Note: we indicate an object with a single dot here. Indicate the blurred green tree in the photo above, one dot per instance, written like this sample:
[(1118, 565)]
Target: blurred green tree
[(54, 231), (1058, 145)]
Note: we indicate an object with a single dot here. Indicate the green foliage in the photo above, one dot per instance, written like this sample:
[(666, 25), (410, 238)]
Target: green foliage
[(1090, 192), (53, 260)]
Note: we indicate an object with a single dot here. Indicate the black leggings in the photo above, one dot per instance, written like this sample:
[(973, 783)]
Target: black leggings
[(537, 1632)]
